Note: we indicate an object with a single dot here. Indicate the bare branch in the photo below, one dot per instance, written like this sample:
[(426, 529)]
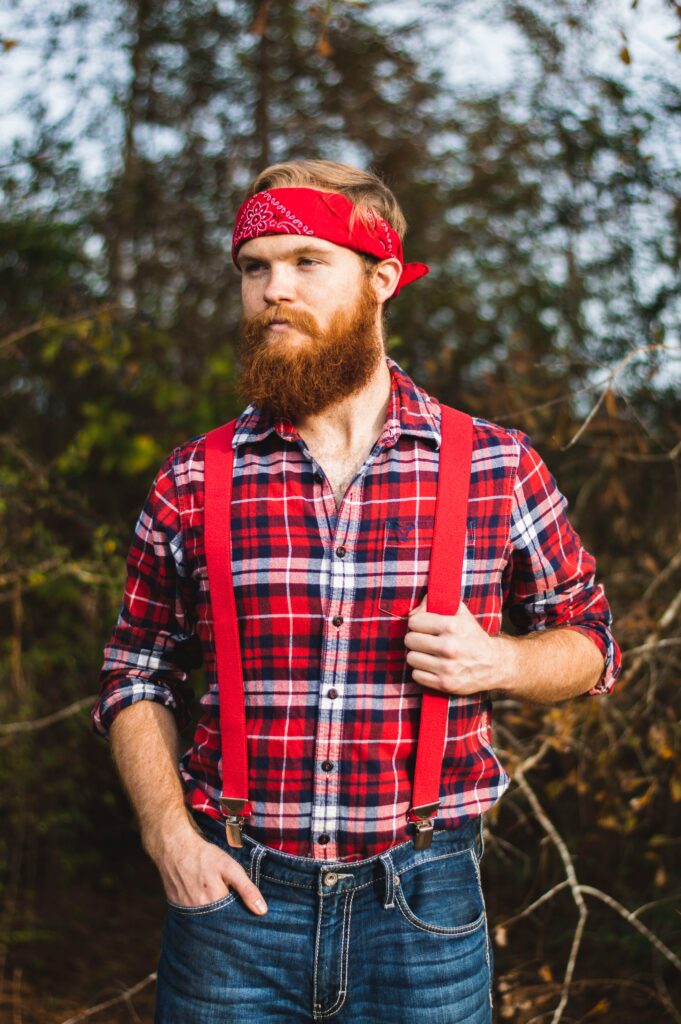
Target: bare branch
[(669, 569), (123, 998), (669, 615), (30, 725), (568, 864), (55, 567), (633, 920), (39, 325), (616, 371), (652, 645)]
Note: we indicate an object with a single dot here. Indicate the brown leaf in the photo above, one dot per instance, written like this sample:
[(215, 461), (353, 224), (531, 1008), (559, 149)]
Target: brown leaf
[(611, 403), (259, 24), (624, 55), (324, 47)]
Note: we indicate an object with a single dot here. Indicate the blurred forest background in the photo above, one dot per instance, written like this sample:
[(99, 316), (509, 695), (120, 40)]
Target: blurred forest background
[(535, 148)]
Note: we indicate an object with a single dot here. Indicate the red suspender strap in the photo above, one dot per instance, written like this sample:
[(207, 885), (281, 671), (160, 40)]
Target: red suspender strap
[(219, 463), (444, 583)]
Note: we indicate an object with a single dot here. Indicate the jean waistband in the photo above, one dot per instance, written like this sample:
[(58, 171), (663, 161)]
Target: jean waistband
[(324, 876)]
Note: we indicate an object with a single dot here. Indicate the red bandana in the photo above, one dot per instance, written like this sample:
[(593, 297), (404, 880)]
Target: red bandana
[(307, 211)]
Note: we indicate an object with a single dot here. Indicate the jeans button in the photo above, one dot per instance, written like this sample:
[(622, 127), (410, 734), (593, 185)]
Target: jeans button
[(330, 878)]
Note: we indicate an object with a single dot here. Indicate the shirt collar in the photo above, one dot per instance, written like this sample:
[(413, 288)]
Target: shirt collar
[(410, 411)]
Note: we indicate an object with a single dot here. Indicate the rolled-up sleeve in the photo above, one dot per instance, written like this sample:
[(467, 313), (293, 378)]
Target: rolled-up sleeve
[(153, 646), (549, 580)]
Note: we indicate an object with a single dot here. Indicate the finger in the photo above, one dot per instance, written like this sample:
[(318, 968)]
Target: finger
[(424, 662), (427, 622), (433, 682), (425, 643), (237, 879)]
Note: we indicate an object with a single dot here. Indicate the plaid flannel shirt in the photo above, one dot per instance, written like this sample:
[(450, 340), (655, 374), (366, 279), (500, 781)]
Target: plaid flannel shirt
[(322, 597)]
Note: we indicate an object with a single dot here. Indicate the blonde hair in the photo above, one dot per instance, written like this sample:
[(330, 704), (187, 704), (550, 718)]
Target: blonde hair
[(365, 190)]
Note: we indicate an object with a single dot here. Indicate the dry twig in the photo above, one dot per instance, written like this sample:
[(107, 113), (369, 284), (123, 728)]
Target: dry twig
[(12, 728), (125, 997)]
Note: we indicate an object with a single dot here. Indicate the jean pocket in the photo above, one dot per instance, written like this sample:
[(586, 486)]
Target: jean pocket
[(442, 896), (203, 908)]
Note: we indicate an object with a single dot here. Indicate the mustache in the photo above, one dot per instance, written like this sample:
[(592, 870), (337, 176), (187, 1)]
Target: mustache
[(303, 321)]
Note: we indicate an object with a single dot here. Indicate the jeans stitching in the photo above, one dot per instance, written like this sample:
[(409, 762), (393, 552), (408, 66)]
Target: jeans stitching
[(206, 908), (459, 930), (389, 899), (311, 888), (476, 862), (256, 858), (345, 955), (433, 860), (315, 1004)]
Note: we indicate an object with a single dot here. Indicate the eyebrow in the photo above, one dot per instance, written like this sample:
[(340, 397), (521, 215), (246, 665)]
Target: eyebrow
[(299, 250)]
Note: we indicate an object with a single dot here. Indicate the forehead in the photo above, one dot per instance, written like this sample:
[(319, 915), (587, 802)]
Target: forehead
[(270, 247)]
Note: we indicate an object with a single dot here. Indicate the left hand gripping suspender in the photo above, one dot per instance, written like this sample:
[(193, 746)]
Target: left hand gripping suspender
[(444, 580)]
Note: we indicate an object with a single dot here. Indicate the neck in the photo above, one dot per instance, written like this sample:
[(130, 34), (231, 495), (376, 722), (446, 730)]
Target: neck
[(353, 423)]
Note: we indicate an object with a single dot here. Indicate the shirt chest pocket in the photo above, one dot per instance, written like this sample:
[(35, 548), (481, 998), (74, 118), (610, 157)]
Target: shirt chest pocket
[(405, 563), (405, 559)]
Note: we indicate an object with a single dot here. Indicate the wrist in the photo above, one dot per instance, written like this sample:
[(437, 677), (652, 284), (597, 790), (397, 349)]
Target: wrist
[(507, 663), (159, 838)]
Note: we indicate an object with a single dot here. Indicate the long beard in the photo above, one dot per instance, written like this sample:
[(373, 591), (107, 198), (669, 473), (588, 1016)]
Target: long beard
[(294, 379)]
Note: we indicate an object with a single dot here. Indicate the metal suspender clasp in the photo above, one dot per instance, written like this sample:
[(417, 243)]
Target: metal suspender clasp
[(422, 817), (233, 810)]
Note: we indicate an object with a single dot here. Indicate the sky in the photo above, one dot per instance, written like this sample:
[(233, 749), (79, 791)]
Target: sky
[(473, 46)]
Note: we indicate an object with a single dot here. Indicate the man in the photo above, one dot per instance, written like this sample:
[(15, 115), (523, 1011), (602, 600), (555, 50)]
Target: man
[(329, 908)]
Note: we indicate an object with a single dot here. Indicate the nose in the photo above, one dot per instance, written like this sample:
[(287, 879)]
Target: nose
[(279, 286)]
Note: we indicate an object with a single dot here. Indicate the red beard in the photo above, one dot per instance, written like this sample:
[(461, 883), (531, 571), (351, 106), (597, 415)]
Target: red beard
[(291, 380)]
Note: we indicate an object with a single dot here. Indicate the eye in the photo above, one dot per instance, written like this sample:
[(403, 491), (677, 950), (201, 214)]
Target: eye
[(307, 261), (253, 266)]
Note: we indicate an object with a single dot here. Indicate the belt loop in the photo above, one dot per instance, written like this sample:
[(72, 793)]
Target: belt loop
[(257, 854), (389, 900)]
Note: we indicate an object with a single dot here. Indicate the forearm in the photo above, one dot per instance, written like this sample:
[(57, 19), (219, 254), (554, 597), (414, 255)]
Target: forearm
[(145, 746), (548, 666)]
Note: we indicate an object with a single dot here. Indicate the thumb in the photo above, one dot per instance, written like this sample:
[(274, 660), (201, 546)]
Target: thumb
[(236, 878)]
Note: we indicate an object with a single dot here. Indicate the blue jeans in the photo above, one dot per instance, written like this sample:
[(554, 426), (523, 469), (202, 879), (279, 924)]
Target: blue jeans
[(397, 937)]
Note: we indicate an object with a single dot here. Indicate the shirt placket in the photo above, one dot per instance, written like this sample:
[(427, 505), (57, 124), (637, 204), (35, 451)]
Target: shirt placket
[(339, 530)]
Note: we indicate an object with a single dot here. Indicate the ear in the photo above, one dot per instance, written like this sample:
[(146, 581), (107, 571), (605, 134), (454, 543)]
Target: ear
[(385, 277)]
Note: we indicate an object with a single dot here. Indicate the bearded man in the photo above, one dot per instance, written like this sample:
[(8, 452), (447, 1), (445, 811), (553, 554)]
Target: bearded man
[(304, 880)]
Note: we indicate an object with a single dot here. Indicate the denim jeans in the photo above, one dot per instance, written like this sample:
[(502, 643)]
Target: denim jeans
[(398, 937)]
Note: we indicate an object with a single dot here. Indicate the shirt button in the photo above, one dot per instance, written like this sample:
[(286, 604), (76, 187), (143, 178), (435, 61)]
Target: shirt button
[(341, 551), (337, 620), (332, 694), (327, 766), (324, 839)]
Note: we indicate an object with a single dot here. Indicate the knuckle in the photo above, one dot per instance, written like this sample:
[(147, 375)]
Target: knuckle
[(449, 646)]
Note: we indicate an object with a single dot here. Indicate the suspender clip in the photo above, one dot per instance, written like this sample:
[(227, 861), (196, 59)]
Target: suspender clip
[(234, 812), (422, 817)]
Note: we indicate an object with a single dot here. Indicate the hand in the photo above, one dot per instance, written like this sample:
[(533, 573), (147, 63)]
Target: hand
[(195, 871), (453, 653)]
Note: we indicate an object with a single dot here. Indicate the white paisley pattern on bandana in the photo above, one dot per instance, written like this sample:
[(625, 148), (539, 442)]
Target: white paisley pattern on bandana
[(265, 215)]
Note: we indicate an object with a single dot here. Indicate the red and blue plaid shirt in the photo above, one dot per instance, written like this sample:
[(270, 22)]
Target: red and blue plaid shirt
[(322, 597)]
